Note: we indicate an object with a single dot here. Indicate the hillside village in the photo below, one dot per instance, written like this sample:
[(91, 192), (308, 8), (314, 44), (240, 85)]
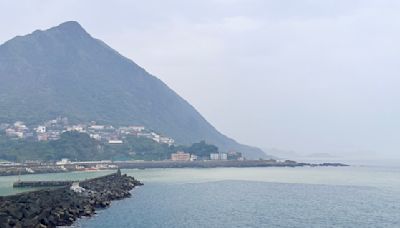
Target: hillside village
[(52, 129), (109, 137)]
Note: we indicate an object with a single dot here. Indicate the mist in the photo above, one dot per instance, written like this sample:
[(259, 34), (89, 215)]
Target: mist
[(301, 75)]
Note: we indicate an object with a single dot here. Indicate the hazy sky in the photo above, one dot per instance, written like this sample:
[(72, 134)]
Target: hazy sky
[(304, 75)]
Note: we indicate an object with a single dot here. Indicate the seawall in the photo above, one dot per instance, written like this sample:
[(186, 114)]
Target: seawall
[(61, 206), (215, 164)]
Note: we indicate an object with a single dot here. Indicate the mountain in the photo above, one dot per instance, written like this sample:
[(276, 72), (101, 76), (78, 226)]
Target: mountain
[(64, 71)]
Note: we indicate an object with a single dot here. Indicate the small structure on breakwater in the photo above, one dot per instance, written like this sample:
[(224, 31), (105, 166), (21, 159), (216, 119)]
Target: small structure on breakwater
[(61, 206)]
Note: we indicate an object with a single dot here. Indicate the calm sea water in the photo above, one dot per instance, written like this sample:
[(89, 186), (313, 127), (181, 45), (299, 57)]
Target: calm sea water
[(358, 196)]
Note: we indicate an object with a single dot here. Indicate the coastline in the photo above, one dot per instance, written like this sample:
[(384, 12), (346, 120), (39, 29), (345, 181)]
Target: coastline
[(25, 169)]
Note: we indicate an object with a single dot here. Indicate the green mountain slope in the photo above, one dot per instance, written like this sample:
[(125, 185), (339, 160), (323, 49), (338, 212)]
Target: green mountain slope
[(63, 71)]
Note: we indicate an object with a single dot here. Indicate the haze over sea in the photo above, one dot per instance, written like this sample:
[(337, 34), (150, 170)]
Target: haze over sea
[(355, 196)]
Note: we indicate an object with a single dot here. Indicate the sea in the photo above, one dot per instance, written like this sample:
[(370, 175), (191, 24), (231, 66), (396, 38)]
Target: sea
[(355, 196)]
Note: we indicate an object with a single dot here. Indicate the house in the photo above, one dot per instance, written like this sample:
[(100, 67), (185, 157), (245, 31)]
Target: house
[(78, 128), (10, 132), (97, 127), (137, 128), (95, 137), (180, 156), (42, 137), (223, 156), (41, 129), (218, 156), (167, 140), (115, 141), (193, 157), (214, 156), (63, 161)]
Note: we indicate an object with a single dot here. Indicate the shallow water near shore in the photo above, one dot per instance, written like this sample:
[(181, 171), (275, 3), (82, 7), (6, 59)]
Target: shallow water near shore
[(357, 196)]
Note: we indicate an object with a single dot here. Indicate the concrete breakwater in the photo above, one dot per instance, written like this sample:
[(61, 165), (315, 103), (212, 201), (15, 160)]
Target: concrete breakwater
[(61, 206), (28, 169), (41, 184)]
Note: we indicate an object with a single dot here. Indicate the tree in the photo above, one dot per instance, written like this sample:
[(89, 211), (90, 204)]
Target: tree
[(202, 149)]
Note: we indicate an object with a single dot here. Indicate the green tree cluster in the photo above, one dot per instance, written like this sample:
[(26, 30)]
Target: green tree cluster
[(80, 147)]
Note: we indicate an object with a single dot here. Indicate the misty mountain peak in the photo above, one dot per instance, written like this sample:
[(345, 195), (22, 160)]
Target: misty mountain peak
[(69, 27), (63, 71), (70, 24)]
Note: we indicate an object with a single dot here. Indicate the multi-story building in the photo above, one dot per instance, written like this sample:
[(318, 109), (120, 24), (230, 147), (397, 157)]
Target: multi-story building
[(180, 156), (223, 156), (214, 156), (218, 156)]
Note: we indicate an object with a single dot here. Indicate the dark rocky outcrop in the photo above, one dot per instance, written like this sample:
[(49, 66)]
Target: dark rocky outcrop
[(62, 206)]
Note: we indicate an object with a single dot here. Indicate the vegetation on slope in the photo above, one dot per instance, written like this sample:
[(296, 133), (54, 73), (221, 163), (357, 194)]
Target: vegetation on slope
[(80, 147)]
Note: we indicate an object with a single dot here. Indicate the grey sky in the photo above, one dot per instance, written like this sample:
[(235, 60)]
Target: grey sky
[(304, 75)]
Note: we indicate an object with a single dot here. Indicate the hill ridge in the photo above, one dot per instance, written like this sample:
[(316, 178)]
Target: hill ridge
[(64, 71)]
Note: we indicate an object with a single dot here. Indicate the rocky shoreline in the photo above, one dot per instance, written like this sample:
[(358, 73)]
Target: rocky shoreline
[(63, 205)]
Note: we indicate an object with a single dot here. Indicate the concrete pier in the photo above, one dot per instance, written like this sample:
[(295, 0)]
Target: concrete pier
[(40, 184)]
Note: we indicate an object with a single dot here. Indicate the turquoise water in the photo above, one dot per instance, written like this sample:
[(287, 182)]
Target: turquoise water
[(7, 181), (252, 197)]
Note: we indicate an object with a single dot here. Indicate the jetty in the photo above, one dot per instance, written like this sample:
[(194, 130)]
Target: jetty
[(61, 206), (41, 184)]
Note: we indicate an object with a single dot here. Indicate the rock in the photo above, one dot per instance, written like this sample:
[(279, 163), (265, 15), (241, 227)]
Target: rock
[(62, 206), (40, 226)]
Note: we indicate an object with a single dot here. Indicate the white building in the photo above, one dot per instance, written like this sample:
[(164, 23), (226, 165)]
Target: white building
[(167, 140), (63, 161), (97, 127), (156, 137), (214, 156), (13, 133), (193, 157), (146, 135), (41, 129), (78, 128), (219, 156), (223, 156), (137, 128), (95, 137), (19, 124)]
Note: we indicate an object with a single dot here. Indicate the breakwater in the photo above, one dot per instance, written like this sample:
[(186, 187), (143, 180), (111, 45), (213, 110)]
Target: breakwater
[(41, 184), (93, 165), (216, 164), (61, 206), (29, 169)]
